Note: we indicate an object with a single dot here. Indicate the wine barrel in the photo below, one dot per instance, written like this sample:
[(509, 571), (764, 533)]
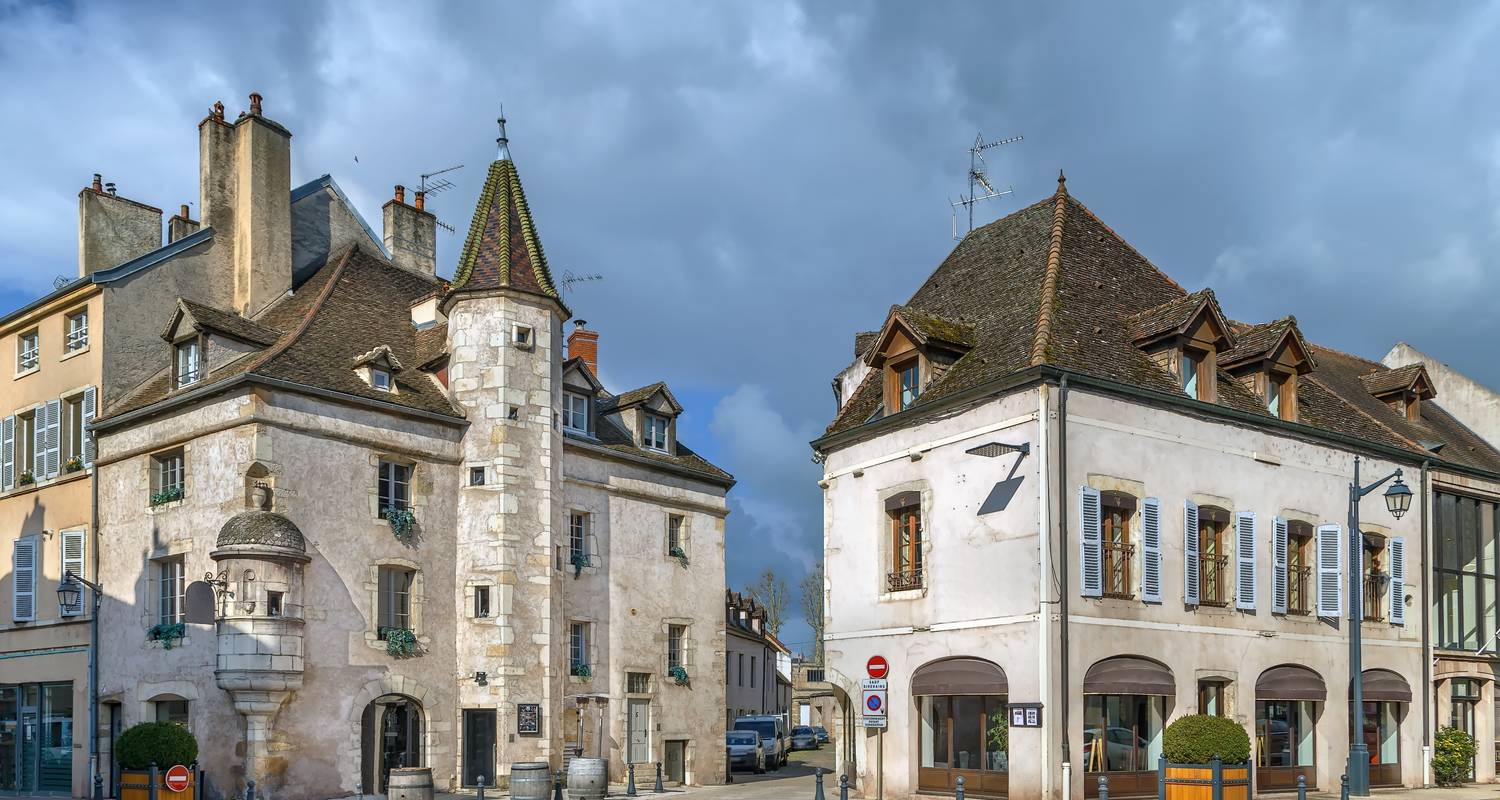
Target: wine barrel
[(530, 780), (409, 783), (588, 778)]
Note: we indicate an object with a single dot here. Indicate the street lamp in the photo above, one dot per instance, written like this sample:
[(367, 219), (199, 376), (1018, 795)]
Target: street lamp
[(1397, 501), (69, 591)]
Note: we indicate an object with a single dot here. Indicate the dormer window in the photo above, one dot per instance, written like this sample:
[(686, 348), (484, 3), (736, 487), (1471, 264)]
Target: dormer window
[(909, 385), (378, 369), (654, 432), (380, 379), (1266, 360), (189, 362), (1273, 394), (1186, 337), (1402, 388), (1189, 372), (912, 351), (575, 413)]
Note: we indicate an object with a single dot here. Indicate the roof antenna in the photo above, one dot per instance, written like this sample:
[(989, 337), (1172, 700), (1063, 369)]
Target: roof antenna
[(427, 187), (504, 152), (977, 177), (569, 279)]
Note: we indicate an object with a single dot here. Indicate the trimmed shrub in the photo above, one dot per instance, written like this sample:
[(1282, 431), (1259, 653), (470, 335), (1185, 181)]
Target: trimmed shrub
[(1452, 756), (1198, 738), (160, 743)]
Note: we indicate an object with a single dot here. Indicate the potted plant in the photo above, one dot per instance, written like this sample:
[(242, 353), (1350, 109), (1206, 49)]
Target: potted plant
[(168, 495), (579, 560), (168, 633), (678, 673), (581, 670), (403, 523), (401, 642), (73, 464), (164, 744), (1452, 756), (1201, 750), (999, 741), (680, 555), (26, 479)]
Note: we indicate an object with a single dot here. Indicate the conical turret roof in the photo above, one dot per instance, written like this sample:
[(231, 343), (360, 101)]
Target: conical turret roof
[(503, 250)]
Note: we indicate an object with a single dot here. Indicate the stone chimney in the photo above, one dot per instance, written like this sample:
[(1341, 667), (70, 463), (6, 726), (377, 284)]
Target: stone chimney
[(244, 190), (181, 226), (584, 343), (411, 234), (113, 229)]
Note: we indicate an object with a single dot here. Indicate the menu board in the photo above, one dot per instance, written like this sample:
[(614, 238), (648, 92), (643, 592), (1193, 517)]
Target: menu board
[(529, 719)]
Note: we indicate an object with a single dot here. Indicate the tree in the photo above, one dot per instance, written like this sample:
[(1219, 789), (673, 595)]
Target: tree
[(812, 607), (770, 593)]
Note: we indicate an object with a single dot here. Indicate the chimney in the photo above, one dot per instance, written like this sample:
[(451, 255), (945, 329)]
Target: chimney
[(181, 226), (410, 234), (584, 343), (113, 229), (245, 185)]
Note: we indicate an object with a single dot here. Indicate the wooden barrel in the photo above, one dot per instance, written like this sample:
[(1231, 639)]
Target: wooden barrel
[(588, 778), (530, 780), (409, 783)]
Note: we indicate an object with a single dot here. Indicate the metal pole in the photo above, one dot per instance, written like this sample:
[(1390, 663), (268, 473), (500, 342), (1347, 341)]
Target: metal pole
[(1103, 787), (818, 783), (154, 778), (1358, 771), (630, 779), (959, 792), (557, 784), (844, 787), (1301, 787), (480, 783), (1343, 787), (250, 790), (1161, 778), (659, 788), (728, 765), (880, 764)]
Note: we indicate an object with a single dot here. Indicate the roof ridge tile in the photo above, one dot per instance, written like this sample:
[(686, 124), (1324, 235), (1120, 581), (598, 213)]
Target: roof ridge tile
[(1042, 344)]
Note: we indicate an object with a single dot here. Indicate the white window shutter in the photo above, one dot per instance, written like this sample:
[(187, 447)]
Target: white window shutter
[(38, 463), (90, 407), (1330, 558), (1190, 564), (1397, 589), (54, 437), (72, 561), (1090, 544), (8, 454), (1151, 550), (23, 570), (1244, 559), (1278, 568)]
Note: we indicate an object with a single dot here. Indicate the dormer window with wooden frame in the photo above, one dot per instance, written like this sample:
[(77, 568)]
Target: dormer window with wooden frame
[(1269, 360), (378, 368), (913, 351), (1402, 388), (187, 362), (1185, 337)]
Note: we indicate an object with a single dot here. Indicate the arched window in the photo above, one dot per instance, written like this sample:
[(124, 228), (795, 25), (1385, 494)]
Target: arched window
[(964, 730), (1124, 706), (1286, 705)]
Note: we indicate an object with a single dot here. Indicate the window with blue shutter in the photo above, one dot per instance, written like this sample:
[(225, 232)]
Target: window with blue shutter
[(1190, 565), (1398, 581), (1330, 562), (1151, 550), (1090, 545), (1244, 559), (1278, 567)]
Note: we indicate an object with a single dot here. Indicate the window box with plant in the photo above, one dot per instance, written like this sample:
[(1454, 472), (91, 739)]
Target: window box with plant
[(73, 464), (170, 494), (400, 642), (678, 673), (680, 555), (165, 744), (26, 479), (581, 670), (168, 633), (1202, 750), (403, 523)]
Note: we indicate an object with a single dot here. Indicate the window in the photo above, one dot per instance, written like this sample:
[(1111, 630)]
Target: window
[(1284, 731), (273, 604), (173, 711), (654, 435), (905, 512), (476, 476), (28, 352), (1192, 364), (521, 336), (752, 672), (481, 602), (908, 377), (1122, 733), (78, 332), (956, 734), (741, 663), (1213, 556), (1464, 567), (1382, 733), (167, 477), (578, 531), (575, 413), (26, 445), (578, 650), (73, 429), (676, 637), (394, 611), (675, 544), (1211, 697), (170, 589), (1273, 394), (1117, 509), (1375, 578), (189, 363), (380, 379), (1300, 563), (393, 487), (637, 682)]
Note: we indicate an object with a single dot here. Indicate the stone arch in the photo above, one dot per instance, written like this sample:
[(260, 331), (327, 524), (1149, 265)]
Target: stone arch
[(388, 684)]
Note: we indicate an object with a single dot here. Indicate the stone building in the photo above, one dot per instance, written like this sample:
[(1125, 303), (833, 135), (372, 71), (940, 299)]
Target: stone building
[(360, 517), (1061, 486), (752, 653)]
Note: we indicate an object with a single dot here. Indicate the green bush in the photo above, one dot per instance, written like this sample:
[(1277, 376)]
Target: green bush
[(1452, 756), (1198, 738), (161, 743)]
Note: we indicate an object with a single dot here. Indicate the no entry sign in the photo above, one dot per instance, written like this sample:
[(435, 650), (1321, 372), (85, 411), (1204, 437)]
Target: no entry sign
[(876, 667), (178, 779)]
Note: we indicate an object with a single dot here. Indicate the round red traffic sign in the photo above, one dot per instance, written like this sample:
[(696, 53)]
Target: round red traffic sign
[(178, 779), (877, 667)]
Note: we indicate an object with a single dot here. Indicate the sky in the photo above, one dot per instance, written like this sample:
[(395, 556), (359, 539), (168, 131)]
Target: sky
[(757, 181)]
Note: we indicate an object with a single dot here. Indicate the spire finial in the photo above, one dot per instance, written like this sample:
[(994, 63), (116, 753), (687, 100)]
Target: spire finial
[(502, 141)]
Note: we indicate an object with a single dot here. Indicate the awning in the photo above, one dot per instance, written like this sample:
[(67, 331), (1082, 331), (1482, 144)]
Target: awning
[(1290, 682), (960, 676), (1383, 685), (1129, 675)]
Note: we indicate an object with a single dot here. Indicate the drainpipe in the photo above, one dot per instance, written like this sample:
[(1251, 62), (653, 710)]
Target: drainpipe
[(1044, 570), (94, 622), (1062, 569), (1427, 577)]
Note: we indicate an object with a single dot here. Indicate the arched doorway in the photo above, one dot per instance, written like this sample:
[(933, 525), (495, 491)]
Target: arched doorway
[(1287, 700), (1387, 696), (1124, 708), (391, 736), (962, 729)]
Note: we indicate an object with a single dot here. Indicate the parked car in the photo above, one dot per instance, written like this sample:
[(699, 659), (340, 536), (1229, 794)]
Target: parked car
[(804, 738), (822, 733), (772, 732), (745, 751)]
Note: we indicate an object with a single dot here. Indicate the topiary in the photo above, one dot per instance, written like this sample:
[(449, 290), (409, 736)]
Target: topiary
[(1452, 756), (1198, 738), (161, 743)]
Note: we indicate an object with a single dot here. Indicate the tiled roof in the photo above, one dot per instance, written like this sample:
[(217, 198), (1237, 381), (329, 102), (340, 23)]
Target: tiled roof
[(227, 323), (1386, 381), (935, 327), (1052, 285), (503, 249), (638, 396)]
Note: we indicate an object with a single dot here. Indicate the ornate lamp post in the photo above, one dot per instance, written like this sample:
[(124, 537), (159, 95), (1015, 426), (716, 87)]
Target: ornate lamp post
[(1397, 501)]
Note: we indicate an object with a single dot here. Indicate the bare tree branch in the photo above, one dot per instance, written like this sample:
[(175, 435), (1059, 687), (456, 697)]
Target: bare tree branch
[(812, 607), (770, 592)]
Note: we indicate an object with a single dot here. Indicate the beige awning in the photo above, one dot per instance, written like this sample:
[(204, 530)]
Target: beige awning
[(1383, 685), (1290, 682), (960, 676), (1129, 675)]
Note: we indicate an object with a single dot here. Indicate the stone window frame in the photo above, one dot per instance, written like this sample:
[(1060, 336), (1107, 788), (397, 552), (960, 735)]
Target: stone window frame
[(416, 497), (684, 533), (149, 468), (24, 365), (882, 536), (497, 594), (1136, 490), (522, 336), (76, 341), (418, 600)]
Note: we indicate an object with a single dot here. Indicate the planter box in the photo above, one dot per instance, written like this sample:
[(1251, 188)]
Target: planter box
[(136, 785), (1211, 781)]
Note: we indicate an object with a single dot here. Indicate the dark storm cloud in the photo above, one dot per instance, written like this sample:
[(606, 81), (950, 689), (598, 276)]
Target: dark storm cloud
[(757, 181)]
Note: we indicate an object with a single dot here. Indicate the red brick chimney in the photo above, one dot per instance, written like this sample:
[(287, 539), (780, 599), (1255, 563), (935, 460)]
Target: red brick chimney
[(584, 343)]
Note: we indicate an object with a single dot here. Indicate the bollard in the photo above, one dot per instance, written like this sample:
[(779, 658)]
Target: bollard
[(1344, 787), (1301, 787), (843, 787), (818, 778), (630, 780), (249, 790), (728, 765), (557, 785), (659, 788), (1103, 787), (480, 784), (155, 777), (959, 793), (98, 786)]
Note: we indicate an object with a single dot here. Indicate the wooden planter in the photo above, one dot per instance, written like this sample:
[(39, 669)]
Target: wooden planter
[(135, 784), (1211, 781)]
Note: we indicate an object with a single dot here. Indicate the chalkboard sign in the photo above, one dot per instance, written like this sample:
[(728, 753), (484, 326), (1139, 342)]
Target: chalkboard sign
[(529, 719)]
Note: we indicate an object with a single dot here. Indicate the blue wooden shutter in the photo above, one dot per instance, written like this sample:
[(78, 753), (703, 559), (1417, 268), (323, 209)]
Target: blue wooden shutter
[(1090, 544), (90, 408), (1398, 581), (1278, 568), (1244, 559), (54, 438), (1190, 553), (8, 454), (1151, 550), (1330, 556), (72, 561), (23, 571)]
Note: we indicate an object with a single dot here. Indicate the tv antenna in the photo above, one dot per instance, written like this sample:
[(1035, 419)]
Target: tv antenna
[(439, 185), (978, 180), (569, 279)]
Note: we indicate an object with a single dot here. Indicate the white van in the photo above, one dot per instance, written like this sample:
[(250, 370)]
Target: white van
[(772, 731)]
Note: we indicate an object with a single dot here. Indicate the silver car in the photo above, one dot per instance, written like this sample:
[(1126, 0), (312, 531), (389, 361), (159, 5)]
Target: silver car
[(745, 751)]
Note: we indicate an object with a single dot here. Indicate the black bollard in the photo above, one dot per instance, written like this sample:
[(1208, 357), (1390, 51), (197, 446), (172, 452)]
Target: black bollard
[(155, 777), (659, 788), (959, 793), (1301, 787), (1344, 787), (557, 785), (843, 787), (630, 779), (1103, 787), (480, 784), (728, 765), (818, 778), (249, 790), (98, 786)]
